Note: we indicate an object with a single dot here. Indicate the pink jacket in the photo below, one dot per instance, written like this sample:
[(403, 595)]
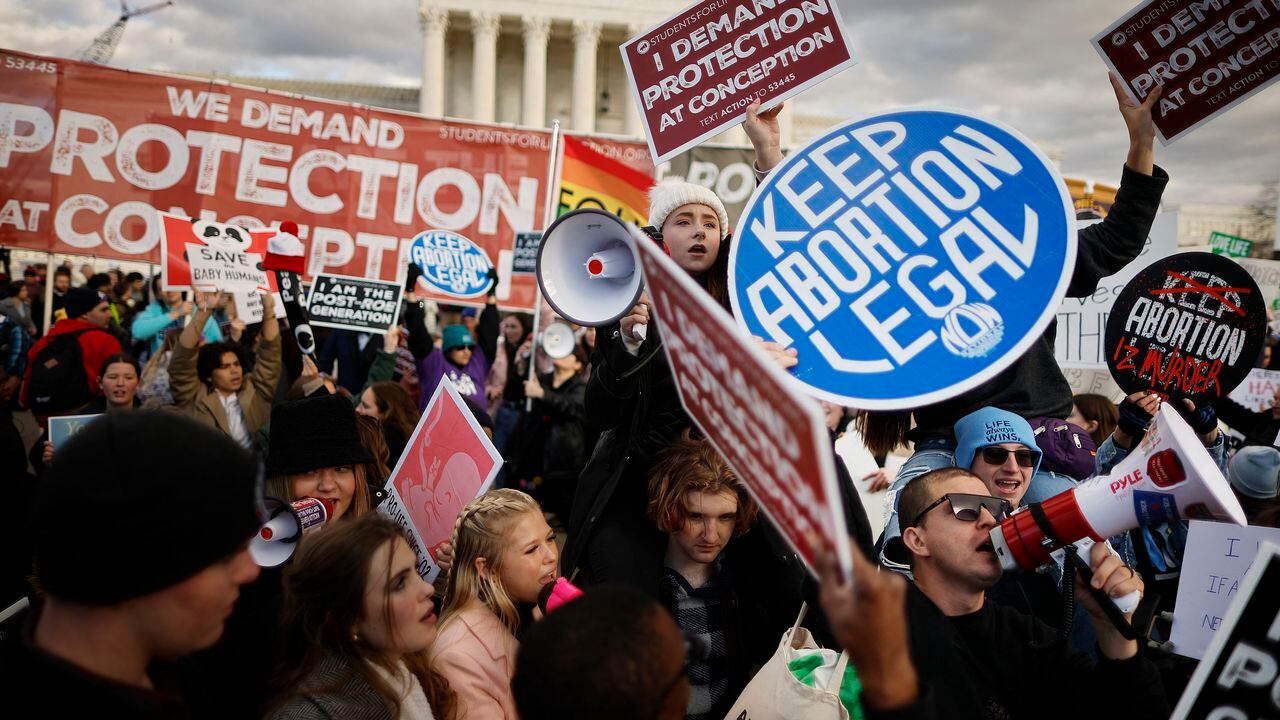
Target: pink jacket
[(477, 655)]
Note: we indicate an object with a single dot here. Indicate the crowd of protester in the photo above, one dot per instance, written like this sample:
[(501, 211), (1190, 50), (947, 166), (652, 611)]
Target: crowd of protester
[(128, 545)]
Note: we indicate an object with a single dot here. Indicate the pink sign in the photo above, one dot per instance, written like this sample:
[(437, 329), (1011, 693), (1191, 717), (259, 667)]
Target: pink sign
[(695, 73), (770, 433), (448, 462)]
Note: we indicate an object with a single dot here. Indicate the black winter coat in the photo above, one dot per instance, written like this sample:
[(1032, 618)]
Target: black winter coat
[(633, 404), (998, 659), (1034, 386)]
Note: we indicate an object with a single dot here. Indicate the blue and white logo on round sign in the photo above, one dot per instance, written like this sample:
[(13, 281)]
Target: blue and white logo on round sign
[(908, 256), (451, 264)]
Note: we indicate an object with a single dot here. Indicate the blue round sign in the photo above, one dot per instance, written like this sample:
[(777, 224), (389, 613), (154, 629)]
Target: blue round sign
[(451, 264), (907, 256)]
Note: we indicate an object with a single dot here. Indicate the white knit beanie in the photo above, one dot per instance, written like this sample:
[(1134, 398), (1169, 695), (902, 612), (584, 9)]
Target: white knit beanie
[(668, 195)]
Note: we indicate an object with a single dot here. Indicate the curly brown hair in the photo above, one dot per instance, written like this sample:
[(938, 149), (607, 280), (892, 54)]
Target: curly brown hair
[(691, 464)]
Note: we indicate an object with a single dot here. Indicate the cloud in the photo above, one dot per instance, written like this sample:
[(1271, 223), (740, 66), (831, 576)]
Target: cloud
[(1028, 64)]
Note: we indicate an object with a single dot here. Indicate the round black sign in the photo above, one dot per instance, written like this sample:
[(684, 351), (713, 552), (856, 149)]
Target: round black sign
[(1187, 326)]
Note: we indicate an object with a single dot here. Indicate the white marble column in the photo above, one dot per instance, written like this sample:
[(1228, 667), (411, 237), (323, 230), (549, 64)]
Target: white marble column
[(586, 35), (632, 126), (536, 31), (435, 23), (484, 64)]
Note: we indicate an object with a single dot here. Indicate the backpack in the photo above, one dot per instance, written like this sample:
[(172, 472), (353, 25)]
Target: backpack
[(58, 380)]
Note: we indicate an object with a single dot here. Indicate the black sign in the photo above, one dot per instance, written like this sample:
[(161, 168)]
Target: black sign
[(1188, 326), (525, 259), (351, 303), (1237, 678)]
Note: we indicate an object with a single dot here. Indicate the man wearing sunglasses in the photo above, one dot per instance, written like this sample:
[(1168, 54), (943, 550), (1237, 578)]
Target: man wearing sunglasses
[(1000, 448), (984, 660)]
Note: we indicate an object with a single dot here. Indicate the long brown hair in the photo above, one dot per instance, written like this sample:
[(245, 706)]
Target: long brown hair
[(690, 464), (371, 437), (883, 431), (395, 406), (1101, 410), (324, 602)]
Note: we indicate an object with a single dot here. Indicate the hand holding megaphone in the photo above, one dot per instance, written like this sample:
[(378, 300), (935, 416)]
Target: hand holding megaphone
[(635, 324)]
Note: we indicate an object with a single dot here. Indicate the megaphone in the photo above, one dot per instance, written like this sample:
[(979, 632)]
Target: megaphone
[(558, 340), (1169, 476), (555, 594), (278, 538), (588, 267)]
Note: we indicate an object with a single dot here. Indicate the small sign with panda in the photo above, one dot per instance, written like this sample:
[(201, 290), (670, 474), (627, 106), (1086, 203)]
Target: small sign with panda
[(220, 264)]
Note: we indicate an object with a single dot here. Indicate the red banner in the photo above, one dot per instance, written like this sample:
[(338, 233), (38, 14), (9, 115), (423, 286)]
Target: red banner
[(694, 74), (1209, 56), (90, 154)]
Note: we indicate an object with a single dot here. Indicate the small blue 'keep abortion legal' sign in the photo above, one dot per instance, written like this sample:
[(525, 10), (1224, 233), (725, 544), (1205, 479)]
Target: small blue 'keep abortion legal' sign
[(907, 256)]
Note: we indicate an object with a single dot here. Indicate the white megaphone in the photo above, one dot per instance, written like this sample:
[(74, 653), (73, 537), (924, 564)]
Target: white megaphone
[(278, 538), (589, 269), (1168, 476), (558, 340)]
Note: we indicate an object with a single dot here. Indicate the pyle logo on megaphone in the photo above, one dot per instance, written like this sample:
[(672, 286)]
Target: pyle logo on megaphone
[(286, 523), (588, 268), (1169, 476)]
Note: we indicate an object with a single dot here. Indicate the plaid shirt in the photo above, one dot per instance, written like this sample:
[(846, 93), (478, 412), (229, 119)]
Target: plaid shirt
[(702, 613)]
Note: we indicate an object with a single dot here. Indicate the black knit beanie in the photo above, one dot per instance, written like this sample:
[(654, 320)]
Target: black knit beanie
[(81, 300), (314, 433), (139, 501)]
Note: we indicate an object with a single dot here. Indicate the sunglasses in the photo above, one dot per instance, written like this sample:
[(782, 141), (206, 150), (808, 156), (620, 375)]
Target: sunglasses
[(968, 508), (996, 455)]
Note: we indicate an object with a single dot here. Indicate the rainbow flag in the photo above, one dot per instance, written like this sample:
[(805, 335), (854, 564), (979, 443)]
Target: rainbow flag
[(589, 179)]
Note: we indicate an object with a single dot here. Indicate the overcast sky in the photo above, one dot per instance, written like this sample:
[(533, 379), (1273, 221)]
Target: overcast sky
[(1028, 63)]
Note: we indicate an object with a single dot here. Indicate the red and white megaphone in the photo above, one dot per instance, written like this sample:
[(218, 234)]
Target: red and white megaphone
[(1168, 476), (588, 267), (276, 542)]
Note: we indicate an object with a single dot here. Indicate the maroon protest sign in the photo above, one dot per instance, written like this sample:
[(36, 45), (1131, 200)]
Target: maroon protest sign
[(695, 73), (1187, 326), (1209, 56), (772, 436)]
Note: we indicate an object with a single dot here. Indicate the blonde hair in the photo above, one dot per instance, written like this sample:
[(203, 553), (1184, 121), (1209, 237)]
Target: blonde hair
[(281, 486), (481, 532)]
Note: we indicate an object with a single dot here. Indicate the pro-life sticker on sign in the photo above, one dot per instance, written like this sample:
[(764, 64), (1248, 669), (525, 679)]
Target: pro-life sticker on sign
[(349, 303), (695, 73), (907, 256), (1208, 56)]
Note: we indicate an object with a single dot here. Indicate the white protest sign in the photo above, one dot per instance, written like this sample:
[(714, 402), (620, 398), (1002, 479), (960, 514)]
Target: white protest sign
[(249, 307), (448, 462), (214, 269), (1082, 322), (1236, 678), (1258, 389), (1093, 382), (1216, 559)]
